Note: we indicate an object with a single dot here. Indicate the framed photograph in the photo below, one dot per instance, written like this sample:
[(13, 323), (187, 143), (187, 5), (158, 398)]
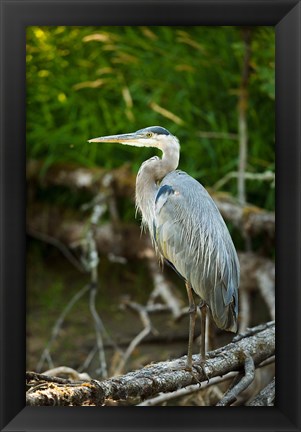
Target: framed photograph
[(107, 72)]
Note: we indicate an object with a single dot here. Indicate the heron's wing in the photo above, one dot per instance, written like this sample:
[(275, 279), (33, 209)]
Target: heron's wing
[(190, 233)]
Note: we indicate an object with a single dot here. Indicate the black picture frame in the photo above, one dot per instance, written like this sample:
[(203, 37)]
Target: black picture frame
[(285, 15)]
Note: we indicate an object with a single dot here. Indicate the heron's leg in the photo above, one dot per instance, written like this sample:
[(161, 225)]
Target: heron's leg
[(201, 365), (192, 317), (203, 308)]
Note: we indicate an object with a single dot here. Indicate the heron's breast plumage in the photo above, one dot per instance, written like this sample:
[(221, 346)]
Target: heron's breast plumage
[(191, 234)]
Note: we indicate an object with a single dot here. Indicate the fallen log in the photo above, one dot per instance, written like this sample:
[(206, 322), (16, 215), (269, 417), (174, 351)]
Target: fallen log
[(121, 183), (257, 343), (251, 219), (76, 177)]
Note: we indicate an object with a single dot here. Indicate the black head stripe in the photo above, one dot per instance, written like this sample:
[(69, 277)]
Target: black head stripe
[(158, 130)]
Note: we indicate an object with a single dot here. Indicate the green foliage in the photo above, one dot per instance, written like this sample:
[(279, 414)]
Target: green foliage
[(84, 82)]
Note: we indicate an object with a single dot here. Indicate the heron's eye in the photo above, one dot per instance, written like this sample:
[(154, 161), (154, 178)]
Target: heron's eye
[(149, 134)]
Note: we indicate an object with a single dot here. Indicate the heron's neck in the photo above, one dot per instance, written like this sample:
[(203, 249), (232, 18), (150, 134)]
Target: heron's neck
[(150, 174), (169, 161)]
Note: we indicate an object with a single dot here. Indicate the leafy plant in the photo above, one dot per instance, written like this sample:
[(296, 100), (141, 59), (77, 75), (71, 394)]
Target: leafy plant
[(84, 82)]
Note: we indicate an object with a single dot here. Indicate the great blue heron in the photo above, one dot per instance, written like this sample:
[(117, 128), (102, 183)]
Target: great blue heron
[(187, 230)]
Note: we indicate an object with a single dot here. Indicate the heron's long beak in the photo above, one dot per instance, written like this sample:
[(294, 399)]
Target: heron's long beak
[(129, 138)]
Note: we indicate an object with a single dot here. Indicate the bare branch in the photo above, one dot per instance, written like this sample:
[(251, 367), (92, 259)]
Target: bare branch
[(58, 244), (164, 397), (98, 332), (143, 314), (242, 115), (240, 383), (266, 284), (258, 343), (162, 287), (36, 377), (264, 176), (257, 273), (71, 373), (58, 325), (244, 309)]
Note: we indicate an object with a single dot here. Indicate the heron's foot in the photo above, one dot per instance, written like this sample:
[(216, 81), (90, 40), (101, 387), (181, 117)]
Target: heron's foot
[(187, 368), (200, 367)]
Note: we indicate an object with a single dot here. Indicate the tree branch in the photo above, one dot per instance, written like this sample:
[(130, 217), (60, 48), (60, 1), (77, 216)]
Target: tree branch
[(258, 343), (240, 383), (242, 114), (164, 397)]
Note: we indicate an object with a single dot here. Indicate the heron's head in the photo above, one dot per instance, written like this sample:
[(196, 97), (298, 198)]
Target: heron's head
[(153, 136)]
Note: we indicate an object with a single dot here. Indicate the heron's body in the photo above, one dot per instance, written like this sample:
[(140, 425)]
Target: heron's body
[(186, 227), (190, 233)]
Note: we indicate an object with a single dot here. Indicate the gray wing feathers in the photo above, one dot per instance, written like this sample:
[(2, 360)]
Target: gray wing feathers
[(192, 235)]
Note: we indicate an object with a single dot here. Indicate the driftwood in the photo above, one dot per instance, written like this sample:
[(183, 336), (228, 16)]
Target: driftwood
[(257, 344), (75, 177), (121, 183)]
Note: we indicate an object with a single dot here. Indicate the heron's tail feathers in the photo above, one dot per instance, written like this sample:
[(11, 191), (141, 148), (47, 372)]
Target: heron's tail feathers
[(224, 307)]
